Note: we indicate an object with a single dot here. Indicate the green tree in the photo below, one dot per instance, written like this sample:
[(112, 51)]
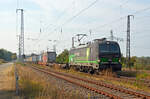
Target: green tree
[(63, 57), (123, 61), (133, 60), (6, 55)]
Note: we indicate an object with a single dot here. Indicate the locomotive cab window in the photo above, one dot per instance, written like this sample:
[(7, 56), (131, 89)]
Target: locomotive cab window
[(109, 48)]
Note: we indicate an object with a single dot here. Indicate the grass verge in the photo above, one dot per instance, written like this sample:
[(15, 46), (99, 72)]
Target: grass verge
[(138, 85), (35, 86)]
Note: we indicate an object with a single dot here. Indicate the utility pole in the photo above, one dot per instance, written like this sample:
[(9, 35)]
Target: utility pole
[(19, 48), (128, 42), (21, 37)]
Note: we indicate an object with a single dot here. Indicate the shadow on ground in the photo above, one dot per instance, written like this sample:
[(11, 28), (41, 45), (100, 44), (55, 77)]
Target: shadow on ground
[(8, 94)]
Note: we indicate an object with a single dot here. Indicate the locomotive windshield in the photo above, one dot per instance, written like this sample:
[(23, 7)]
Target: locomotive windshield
[(109, 48)]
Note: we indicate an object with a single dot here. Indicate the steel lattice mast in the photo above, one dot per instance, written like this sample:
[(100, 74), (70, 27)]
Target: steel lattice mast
[(21, 36), (128, 42)]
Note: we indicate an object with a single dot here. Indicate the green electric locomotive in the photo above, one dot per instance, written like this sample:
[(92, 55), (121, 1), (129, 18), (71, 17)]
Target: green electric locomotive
[(96, 56)]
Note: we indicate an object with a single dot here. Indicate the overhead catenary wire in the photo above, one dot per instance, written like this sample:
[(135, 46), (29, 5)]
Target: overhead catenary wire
[(124, 3), (142, 10), (76, 15), (124, 17), (81, 11), (70, 19), (114, 21), (62, 14), (54, 26), (137, 12)]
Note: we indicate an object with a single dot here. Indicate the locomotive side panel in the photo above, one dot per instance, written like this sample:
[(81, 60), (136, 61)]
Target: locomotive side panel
[(99, 55), (85, 57)]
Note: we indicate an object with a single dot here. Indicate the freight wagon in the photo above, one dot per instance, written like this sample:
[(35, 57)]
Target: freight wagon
[(48, 58), (96, 56), (34, 58), (40, 61), (28, 59)]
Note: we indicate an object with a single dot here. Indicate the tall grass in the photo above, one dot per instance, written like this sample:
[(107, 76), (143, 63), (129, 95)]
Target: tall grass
[(35, 86)]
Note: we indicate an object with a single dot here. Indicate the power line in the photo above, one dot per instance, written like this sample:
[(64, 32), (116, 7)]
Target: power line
[(117, 20), (124, 17), (60, 16), (124, 3), (142, 10), (70, 19)]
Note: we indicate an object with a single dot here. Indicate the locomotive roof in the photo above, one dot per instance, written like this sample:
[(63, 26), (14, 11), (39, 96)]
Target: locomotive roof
[(95, 41)]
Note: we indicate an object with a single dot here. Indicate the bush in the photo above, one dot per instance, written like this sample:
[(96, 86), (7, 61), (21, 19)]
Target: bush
[(63, 58)]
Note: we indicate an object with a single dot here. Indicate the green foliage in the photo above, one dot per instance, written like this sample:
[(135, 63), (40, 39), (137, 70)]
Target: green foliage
[(142, 75), (123, 61), (137, 62), (7, 55), (142, 63), (63, 57), (132, 61)]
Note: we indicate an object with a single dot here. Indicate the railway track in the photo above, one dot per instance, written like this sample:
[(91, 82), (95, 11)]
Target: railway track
[(130, 80), (146, 82), (99, 87)]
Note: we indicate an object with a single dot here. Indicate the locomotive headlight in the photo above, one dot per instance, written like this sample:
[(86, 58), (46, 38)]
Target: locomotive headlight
[(98, 60)]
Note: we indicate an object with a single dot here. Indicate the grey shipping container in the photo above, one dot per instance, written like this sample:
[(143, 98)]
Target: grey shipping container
[(49, 57), (40, 58), (34, 58)]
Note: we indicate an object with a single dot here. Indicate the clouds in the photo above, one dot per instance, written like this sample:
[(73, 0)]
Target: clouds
[(50, 16), (104, 11)]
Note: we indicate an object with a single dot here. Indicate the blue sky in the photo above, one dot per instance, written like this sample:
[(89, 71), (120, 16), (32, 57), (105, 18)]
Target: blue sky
[(52, 15)]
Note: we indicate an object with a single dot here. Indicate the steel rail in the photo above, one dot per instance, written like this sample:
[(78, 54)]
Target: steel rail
[(108, 86), (79, 84)]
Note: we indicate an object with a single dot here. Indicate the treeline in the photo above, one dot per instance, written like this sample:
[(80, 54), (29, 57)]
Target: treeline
[(7, 55), (63, 58), (138, 62)]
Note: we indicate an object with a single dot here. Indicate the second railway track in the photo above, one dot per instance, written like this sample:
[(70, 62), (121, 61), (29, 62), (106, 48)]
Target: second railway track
[(99, 87)]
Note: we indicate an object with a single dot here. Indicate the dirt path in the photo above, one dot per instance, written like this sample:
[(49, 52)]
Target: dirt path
[(7, 82)]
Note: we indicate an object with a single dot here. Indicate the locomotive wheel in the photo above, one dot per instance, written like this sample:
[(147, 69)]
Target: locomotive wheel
[(81, 69), (96, 72), (91, 71)]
